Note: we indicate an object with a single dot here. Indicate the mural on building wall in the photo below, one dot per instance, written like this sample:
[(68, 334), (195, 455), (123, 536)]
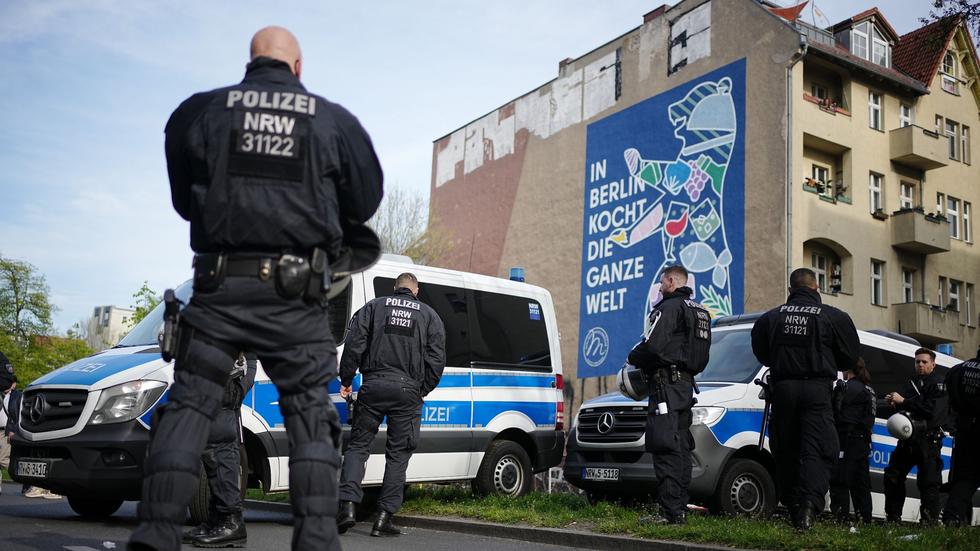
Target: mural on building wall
[(664, 185)]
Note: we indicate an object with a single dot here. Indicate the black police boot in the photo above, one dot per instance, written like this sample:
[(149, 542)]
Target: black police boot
[(198, 530), (384, 525), (346, 518), (229, 532), (805, 517), (928, 518)]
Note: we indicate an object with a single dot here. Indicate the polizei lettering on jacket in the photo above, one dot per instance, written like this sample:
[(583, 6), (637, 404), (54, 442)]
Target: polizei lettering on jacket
[(795, 309), (402, 303), (280, 101)]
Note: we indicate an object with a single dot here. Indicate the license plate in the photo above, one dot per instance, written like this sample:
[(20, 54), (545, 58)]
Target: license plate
[(593, 473), (32, 469)]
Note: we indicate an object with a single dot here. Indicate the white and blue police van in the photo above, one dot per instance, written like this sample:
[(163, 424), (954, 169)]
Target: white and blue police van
[(730, 474), (495, 419)]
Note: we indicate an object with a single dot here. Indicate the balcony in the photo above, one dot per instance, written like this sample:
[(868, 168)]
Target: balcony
[(914, 231), (928, 324), (917, 147)]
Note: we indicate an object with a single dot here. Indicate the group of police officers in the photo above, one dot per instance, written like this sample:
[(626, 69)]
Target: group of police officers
[(819, 431), (277, 184)]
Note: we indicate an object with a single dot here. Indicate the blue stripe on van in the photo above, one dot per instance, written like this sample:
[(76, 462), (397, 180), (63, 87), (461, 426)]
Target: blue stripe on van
[(93, 369), (534, 381), (541, 413), (454, 380)]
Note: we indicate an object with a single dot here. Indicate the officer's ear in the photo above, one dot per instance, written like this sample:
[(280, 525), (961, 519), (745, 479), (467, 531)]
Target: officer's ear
[(298, 67)]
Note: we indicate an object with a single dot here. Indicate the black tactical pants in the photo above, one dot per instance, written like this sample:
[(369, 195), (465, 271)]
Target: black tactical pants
[(924, 453), (964, 474), (291, 340), (803, 440), (398, 399), (669, 439), (851, 477), (222, 464)]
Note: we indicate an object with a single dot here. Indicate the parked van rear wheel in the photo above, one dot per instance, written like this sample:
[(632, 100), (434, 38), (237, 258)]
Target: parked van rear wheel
[(745, 489), (505, 470), (201, 504), (94, 509)]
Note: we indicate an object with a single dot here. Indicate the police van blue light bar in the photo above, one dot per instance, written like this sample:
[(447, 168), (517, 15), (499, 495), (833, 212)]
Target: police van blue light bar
[(517, 274)]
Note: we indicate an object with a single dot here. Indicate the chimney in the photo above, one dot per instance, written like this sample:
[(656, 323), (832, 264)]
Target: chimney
[(654, 14)]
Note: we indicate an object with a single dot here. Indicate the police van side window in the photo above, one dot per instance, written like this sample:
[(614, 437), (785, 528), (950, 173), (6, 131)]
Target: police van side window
[(339, 313), (889, 373), (508, 331), (450, 305)]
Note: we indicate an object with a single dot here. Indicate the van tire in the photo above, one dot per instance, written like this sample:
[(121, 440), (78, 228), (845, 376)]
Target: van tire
[(505, 470), (94, 509), (747, 489), (200, 505)]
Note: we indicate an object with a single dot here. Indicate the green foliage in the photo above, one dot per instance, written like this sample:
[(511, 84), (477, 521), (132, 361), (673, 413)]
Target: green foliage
[(25, 309), (716, 304), (40, 355), (146, 300)]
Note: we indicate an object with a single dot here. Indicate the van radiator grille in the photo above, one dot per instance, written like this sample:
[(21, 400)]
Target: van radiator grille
[(44, 409), (612, 424)]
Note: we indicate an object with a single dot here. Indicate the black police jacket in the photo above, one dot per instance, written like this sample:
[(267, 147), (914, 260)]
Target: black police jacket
[(805, 339), (963, 389), (679, 334), (265, 166), (925, 400), (855, 405), (396, 335)]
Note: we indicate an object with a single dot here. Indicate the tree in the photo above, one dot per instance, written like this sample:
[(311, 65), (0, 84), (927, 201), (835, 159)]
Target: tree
[(146, 300), (968, 10), (404, 227), (25, 309)]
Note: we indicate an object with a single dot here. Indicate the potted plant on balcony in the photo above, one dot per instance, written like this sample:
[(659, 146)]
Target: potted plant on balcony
[(880, 214)]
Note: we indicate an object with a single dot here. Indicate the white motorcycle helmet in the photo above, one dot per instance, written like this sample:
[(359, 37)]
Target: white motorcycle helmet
[(900, 426), (632, 382)]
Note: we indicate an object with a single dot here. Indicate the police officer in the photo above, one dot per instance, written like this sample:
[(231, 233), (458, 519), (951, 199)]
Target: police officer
[(225, 526), (674, 350), (804, 343), (923, 399), (399, 345), (963, 388), (854, 415), (274, 181)]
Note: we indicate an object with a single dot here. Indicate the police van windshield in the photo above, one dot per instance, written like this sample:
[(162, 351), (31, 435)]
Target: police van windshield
[(731, 359), (146, 331)]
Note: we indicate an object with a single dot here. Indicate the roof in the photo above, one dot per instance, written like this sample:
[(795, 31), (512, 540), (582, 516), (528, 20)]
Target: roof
[(919, 53), (879, 18), (891, 76)]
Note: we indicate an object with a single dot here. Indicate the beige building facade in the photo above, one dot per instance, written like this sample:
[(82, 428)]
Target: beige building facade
[(713, 135), (107, 326)]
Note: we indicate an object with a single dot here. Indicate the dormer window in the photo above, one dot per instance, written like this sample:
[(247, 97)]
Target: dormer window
[(868, 42), (949, 64), (880, 50), (859, 44)]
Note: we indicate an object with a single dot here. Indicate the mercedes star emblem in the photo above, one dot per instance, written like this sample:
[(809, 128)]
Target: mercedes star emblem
[(606, 422), (37, 408)]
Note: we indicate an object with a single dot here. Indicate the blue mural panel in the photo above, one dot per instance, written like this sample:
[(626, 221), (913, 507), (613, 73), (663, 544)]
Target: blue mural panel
[(664, 185)]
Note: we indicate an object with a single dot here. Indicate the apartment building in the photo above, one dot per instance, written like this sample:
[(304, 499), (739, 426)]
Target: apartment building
[(107, 325), (732, 138)]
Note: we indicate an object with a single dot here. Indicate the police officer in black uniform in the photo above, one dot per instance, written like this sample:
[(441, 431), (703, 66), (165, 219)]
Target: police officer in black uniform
[(275, 182), (854, 415), (963, 389), (804, 343), (399, 345), (674, 350), (222, 460), (923, 399)]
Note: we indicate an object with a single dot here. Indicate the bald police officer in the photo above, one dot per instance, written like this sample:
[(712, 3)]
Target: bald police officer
[(804, 343), (963, 389), (275, 182)]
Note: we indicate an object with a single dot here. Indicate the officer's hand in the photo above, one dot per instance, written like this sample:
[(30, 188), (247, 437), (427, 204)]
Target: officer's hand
[(897, 399), (345, 391)]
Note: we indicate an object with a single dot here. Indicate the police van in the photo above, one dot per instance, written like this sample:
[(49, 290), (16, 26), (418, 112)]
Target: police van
[(495, 418), (730, 475)]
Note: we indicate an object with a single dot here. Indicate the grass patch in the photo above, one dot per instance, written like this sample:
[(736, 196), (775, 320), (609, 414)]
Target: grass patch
[(278, 497)]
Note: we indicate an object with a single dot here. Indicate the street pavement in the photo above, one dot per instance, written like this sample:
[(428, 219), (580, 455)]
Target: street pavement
[(50, 525)]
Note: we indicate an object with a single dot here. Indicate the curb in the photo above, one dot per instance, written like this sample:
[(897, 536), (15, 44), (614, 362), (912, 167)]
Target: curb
[(553, 536)]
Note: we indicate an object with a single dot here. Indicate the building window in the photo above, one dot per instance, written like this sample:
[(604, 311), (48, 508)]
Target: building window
[(953, 216), (908, 285), (859, 42), (965, 144), (906, 197), (818, 91), (877, 272), (942, 291), (968, 304), (949, 64), (954, 295), (941, 205), (874, 192), (905, 115), (939, 125), (967, 222), (874, 110), (880, 49), (953, 136), (819, 264), (821, 178)]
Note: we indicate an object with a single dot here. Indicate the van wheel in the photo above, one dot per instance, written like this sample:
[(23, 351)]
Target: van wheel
[(94, 509), (200, 505), (745, 489), (505, 470)]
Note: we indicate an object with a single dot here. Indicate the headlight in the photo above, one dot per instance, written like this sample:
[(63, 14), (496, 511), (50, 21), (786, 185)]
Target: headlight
[(126, 401), (706, 415)]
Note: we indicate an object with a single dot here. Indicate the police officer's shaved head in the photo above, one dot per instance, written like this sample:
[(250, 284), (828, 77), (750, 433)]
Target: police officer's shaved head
[(803, 278), (408, 281), (277, 43), (673, 278)]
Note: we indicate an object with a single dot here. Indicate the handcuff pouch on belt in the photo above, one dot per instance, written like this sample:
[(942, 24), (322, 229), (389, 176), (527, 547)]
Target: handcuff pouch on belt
[(292, 276), (209, 272)]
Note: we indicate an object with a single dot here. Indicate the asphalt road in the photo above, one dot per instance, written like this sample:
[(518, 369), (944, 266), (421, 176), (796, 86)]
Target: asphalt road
[(50, 525)]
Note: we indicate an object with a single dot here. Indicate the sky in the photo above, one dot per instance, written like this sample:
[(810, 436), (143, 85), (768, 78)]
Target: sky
[(88, 86)]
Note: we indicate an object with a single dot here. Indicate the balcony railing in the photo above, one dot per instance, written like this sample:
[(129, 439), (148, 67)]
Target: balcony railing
[(929, 324), (914, 231), (917, 147)]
